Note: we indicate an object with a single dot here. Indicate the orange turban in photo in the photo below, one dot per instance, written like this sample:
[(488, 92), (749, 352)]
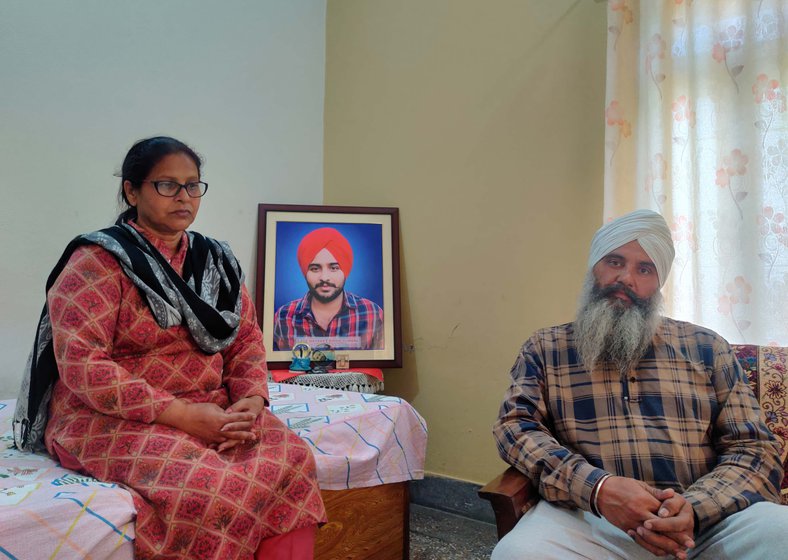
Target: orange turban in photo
[(325, 238)]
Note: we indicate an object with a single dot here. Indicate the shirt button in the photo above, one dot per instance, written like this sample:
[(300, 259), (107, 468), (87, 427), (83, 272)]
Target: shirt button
[(633, 379), (626, 398)]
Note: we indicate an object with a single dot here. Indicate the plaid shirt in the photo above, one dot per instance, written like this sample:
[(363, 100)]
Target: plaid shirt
[(685, 419), (359, 320)]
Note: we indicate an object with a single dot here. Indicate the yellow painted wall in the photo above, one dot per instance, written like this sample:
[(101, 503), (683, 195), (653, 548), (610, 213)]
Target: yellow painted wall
[(482, 120)]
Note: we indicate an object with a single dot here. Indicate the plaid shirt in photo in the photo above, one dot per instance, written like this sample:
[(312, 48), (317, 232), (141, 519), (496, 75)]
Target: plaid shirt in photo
[(359, 318)]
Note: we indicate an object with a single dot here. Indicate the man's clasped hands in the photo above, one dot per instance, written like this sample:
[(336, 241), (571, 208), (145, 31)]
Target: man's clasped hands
[(661, 521)]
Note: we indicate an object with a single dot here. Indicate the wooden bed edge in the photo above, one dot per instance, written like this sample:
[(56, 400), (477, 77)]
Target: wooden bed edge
[(366, 523)]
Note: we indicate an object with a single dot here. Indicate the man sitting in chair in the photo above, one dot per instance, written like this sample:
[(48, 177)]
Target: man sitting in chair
[(640, 432)]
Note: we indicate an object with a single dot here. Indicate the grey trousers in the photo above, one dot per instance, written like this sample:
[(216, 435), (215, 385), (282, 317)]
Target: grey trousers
[(547, 532)]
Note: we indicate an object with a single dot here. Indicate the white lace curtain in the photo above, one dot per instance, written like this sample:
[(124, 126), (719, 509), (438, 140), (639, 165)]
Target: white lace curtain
[(697, 129)]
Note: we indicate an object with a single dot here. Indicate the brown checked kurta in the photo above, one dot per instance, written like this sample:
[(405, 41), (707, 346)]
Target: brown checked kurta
[(683, 418), (119, 370)]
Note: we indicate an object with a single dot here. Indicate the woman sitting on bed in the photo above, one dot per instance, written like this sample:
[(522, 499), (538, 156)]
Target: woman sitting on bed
[(162, 383)]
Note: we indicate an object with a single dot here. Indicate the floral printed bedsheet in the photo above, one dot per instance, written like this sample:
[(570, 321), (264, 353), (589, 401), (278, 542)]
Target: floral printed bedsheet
[(46, 511)]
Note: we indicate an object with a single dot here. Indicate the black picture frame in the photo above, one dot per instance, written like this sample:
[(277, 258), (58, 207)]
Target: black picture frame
[(374, 230)]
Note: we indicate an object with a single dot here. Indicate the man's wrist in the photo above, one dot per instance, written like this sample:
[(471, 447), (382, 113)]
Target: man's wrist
[(594, 503)]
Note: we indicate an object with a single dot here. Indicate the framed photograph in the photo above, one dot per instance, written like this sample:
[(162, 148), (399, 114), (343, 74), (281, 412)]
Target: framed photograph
[(328, 278)]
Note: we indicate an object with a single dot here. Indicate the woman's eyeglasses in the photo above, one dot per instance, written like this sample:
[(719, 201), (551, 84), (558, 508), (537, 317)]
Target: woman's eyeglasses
[(172, 188)]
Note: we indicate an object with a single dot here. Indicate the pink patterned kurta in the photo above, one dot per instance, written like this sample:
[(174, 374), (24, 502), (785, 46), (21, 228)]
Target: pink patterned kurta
[(119, 370)]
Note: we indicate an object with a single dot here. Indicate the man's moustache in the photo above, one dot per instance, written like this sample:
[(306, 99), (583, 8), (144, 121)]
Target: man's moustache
[(326, 284), (607, 291)]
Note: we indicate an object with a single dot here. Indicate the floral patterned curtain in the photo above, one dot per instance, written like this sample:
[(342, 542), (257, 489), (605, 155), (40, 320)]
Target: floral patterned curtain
[(697, 129)]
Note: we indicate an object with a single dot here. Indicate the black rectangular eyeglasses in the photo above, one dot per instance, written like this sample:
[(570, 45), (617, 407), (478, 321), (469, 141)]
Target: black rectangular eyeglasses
[(170, 189)]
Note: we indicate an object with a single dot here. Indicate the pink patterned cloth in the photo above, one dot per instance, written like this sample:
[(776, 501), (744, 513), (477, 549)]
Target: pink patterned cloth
[(358, 439), (766, 368), (119, 370)]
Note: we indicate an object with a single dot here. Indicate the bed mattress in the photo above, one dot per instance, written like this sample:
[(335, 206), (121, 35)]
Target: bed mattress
[(359, 440)]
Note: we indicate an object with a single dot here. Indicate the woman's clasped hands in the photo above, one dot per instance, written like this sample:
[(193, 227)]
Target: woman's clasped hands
[(240, 430), (221, 429)]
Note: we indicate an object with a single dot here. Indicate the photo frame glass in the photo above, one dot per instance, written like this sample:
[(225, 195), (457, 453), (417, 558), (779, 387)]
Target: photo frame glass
[(328, 277)]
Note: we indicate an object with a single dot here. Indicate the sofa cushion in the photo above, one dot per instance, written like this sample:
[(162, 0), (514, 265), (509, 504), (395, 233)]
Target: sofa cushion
[(766, 368)]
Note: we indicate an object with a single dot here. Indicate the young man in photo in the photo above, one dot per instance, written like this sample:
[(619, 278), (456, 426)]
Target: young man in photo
[(327, 313)]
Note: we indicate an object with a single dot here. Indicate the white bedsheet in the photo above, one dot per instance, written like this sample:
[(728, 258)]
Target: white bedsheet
[(47, 511)]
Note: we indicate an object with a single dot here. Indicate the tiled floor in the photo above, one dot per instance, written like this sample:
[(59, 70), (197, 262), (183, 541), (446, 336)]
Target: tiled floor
[(438, 535)]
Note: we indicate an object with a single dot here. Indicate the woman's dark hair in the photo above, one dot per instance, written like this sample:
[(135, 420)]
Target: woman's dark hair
[(141, 158)]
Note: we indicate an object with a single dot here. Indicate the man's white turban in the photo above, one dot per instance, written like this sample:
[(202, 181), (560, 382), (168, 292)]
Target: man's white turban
[(646, 227)]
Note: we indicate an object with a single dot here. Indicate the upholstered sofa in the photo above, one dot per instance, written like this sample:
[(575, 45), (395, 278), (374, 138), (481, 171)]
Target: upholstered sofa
[(511, 493)]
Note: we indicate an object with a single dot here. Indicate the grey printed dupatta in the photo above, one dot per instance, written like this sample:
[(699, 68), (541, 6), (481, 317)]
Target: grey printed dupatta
[(207, 299)]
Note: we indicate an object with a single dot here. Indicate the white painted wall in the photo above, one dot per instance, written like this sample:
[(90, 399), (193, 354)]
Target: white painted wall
[(240, 81)]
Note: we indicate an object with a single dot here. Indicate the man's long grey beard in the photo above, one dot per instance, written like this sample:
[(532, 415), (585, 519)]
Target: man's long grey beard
[(606, 330)]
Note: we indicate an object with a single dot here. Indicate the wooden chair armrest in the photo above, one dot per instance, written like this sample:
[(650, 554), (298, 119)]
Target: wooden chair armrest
[(511, 494)]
